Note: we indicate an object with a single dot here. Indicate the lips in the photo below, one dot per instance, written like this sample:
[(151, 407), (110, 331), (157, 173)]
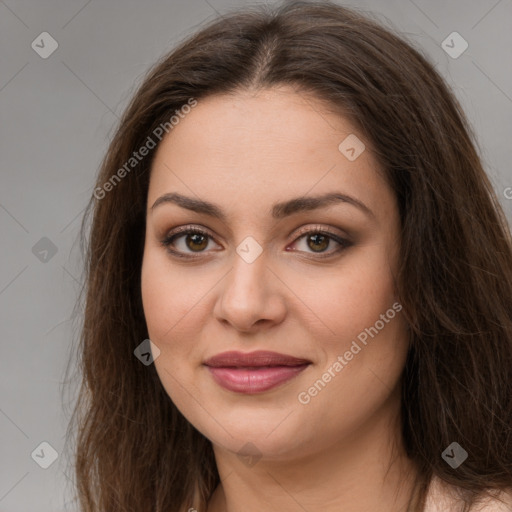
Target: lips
[(257, 359), (254, 372)]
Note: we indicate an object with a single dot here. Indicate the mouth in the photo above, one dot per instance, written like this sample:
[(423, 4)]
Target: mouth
[(254, 372)]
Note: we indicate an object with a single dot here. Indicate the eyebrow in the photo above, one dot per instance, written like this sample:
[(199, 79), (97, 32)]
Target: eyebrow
[(278, 211)]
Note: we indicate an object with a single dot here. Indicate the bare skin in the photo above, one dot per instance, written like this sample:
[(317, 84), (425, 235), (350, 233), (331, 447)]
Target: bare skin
[(339, 448)]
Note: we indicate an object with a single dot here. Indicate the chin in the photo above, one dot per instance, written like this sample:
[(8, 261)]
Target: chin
[(255, 435)]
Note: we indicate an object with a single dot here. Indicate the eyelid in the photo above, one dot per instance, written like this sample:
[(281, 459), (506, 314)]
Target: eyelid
[(319, 228), (189, 227)]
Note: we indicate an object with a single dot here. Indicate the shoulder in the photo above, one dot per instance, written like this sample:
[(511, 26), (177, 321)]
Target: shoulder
[(442, 497)]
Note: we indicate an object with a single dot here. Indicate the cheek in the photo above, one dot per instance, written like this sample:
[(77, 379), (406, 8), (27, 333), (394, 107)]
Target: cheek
[(349, 299), (168, 296), (163, 309), (167, 310), (172, 305), (371, 339)]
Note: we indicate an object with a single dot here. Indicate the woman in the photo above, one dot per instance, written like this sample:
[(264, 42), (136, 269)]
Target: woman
[(293, 211)]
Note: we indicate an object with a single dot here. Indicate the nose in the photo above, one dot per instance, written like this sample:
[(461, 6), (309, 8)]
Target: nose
[(250, 297)]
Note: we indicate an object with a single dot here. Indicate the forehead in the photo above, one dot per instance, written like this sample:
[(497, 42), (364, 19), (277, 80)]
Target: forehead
[(257, 147)]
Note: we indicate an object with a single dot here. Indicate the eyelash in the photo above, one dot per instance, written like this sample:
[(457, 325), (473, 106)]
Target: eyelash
[(189, 230)]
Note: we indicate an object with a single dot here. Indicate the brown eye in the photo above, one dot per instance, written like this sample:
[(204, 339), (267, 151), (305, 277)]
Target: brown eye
[(186, 240), (318, 242), (196, 241)]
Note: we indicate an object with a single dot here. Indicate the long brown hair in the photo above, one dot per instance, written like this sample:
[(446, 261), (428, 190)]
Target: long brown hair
[(134, 449)]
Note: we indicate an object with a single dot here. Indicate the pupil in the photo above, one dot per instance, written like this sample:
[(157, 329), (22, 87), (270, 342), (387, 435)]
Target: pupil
[(194, 238), (316, 238)]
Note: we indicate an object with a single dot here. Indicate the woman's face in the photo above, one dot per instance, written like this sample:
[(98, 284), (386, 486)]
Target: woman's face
[(277, 269)]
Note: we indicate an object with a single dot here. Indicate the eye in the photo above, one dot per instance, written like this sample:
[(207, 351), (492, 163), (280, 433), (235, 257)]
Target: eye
[(318, 239), (188, 240), (194, 238)]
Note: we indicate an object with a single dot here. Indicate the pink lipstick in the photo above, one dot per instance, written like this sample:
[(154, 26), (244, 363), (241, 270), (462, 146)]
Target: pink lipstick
[(254, 372)]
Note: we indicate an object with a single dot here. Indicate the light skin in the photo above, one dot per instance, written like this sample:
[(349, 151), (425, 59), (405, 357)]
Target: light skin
[(246, 152)]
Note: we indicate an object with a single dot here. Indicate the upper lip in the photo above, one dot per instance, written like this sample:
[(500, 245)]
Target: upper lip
[(253, 359)]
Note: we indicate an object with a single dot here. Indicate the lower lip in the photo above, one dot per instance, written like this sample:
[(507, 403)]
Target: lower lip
[(244, 380)]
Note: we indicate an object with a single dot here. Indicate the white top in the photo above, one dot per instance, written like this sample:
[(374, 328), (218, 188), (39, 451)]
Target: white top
[(441, 498)]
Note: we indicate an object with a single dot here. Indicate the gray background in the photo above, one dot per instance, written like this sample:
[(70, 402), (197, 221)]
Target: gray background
[(57, 115)]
